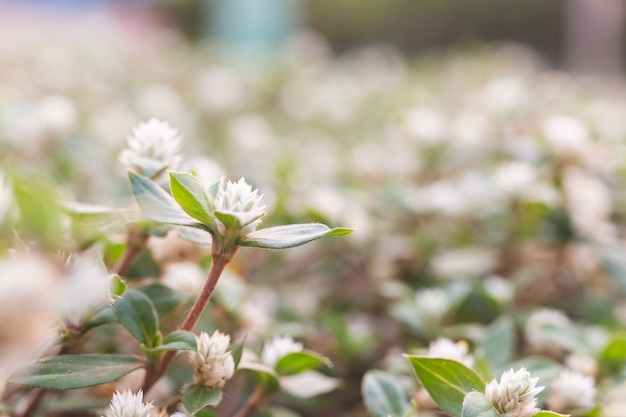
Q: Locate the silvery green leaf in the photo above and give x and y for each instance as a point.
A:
(308, 384)
(156, 204)
(282, 237)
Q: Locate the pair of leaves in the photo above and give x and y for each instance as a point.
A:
(191, 205)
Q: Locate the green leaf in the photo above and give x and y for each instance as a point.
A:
(156, 204)
(238, 219)
(138, 315)
(77, 371)
(191, 196)
(265, 376)
(499, 342)
(545, 413)
(179, 340)
(196, 397)
(308, 384)
(117, 286)
(615, 350)
(104, 315)
(164, 298)
(475, 404)
(296, 362)
(447, 381)
(237, 352)
(282, 237)
(383, 395)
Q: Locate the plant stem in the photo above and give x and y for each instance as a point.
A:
(135, 243)
(34, 403)
(221, 258)
(254, 401)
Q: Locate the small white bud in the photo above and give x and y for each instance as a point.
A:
(213, 364)
(239, 198)
(447, 349)
(572, 392)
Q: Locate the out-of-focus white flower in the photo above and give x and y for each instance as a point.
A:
(56, 114)
(434, 303)
(463, 263)
(6, 198)
(614, 402)
(220, 90)
(85, 286)
(426, 125)
(251, 133)
(571, 392)
(173, 248)
(127, 404)
(582, 363)
(447, 349)
(514, 395)
(513, 178)
(279, 347)
(186, 277)
(152, 147)
(538, 321)
(238, 198)
(499, 289)
(505, 94)
(566, 136)
(213, 363)
(589, 205)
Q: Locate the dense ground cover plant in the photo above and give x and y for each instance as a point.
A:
(487, 194)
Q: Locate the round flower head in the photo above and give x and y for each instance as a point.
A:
(447, 349)
(514, 395)
(127, 404)
(572, 392)
(152, 147)
(240, 200)
(213, 364)
(277, 348)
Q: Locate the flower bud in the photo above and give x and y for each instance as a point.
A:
(514, 395)
(127, 404)
(213, 364)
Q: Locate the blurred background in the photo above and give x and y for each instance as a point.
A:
(478, 147)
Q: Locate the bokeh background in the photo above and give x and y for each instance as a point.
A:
(478, 147)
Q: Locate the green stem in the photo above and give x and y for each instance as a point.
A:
(221, 257)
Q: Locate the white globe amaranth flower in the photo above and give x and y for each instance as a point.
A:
(240, 200)
(152, 147)
(127, 404)
(514, 395)
(434, 303)
(213, 363)
(278, 347)
(447, 349)
(572, 392)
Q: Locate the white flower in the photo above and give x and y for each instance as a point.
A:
(513, 178)
(514, 395)
(152, 147)
(538, 321)
(582, 363)
(213, 364)
(279, 347)
(127, 404)
(239, 199)
(433, 302)
(499, 289)
(186, 277)
(425, 124)
(447, 349)
(572, 392)
(6, 198)
(566, 136)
